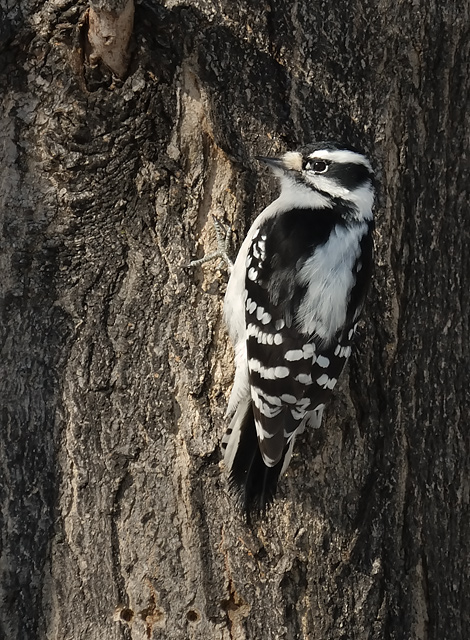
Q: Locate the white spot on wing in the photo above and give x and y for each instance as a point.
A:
(259, 249)
(323, 381)
(251, 330)
(264, 408)
(294, 354)
(262, 337)
(250, 306)
(268, 373)
(287, 397)
(309, 350)
(297, 414)
(274, 400)
(262, 315)
(262, 246)
(323, 362)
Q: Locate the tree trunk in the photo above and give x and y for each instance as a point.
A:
(116, 367)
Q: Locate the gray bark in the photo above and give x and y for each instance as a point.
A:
(116, 368)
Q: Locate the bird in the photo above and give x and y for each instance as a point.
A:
(292, 304)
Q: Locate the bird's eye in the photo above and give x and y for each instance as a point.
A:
(319, 166)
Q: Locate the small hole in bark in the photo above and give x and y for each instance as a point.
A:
(126, 615)
(261, 554)
(193, 615)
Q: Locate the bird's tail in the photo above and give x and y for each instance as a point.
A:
(253, 482)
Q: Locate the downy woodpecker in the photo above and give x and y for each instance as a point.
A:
(292, 304)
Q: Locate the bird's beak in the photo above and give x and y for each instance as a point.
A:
(275, 163)
(290, 161)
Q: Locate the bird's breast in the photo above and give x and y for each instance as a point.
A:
(327, 277)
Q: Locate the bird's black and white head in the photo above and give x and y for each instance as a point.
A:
(323, 174)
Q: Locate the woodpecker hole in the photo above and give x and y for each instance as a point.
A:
(126, 615)
(193, 616)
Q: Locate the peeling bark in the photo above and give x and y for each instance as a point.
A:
(110, 27)
(116, 367)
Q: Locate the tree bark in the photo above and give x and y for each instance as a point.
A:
(116, 367)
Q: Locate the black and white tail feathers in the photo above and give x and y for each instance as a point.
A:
(251, 480)
(253, 483)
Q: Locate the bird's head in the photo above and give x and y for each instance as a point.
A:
(326, 173)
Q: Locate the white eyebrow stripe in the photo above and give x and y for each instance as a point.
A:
(342, 156)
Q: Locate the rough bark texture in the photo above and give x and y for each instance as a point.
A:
(115, 521)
